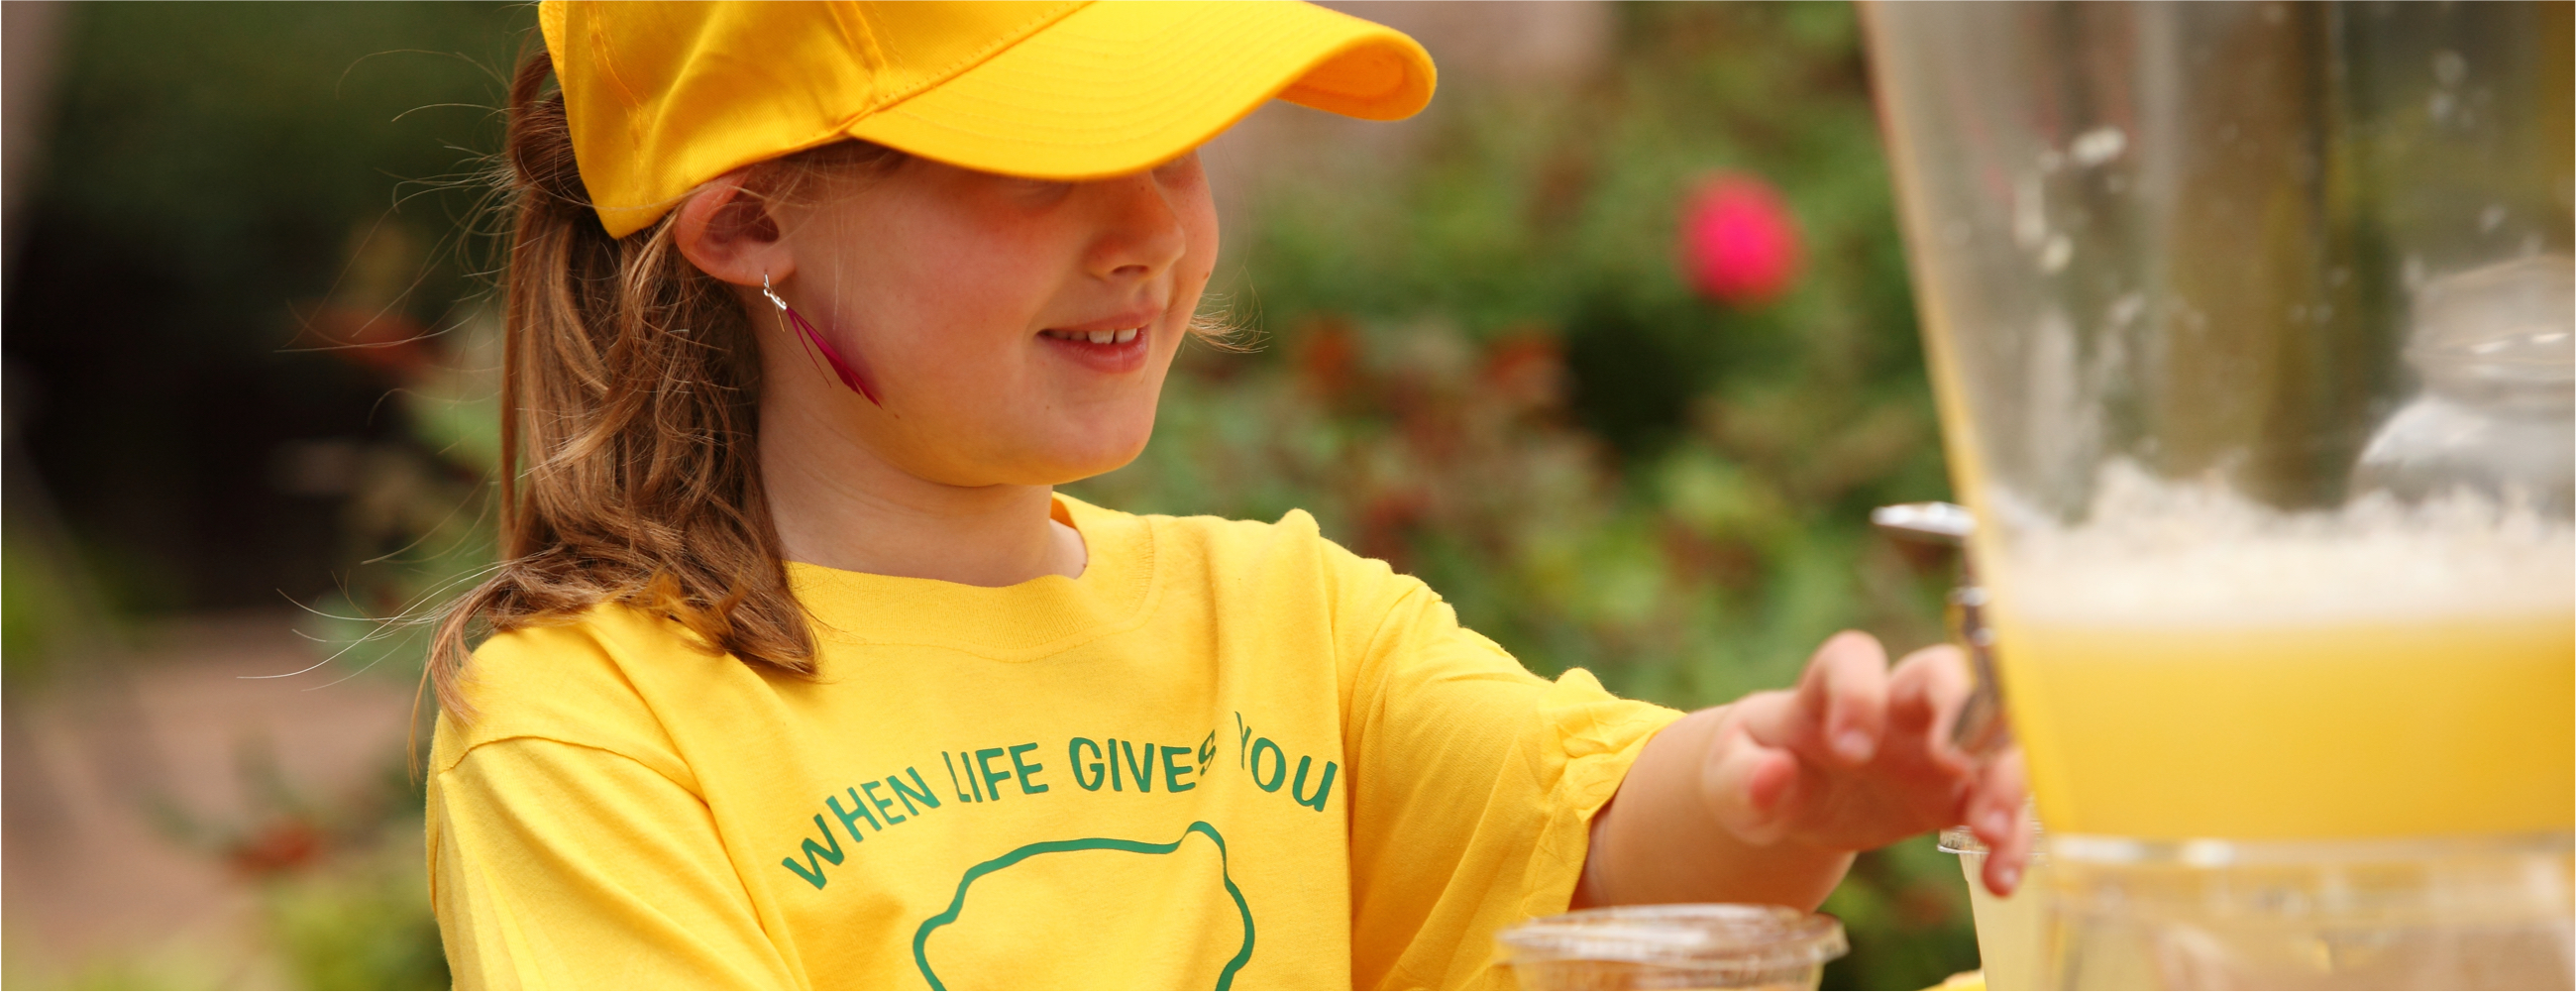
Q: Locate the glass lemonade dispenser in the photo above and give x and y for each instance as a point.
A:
(2251, 329)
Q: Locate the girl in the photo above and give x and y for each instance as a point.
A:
(802, 676)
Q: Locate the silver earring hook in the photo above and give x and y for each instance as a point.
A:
(773, 296)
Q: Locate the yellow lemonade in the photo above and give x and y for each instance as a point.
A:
(2318, 727)
(2185, 663)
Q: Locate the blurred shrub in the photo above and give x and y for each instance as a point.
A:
(307, 120)
(218, 206)
(344, 893)
(363, 926)
(343, 896)
(221, 206)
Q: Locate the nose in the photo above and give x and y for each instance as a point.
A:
(1141, 236)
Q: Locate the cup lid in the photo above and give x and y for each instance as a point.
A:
(1962, 840)
(1690, 935)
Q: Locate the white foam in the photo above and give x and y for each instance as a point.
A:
(2161, 553)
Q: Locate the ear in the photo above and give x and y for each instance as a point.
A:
(727, 231)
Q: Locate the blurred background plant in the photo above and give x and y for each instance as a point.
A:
(238, 392)
(1616, 358)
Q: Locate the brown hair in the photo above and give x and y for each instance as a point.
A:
(629, 400)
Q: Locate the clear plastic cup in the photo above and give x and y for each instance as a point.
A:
(1686, 946)
(2393, 914)
(2012, 932)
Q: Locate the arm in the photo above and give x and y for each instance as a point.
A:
(1767, 799)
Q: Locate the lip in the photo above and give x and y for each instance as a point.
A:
(1136, 317)
(1112, 357)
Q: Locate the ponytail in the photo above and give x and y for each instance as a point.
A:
(629, 387)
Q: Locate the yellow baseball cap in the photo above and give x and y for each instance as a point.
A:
(663, 96)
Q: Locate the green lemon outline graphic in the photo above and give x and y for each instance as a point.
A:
(1224, 979)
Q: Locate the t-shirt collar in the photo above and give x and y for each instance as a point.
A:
(1021, 622)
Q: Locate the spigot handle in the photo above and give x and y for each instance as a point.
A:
(1982, 728)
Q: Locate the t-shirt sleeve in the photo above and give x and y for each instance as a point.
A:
(1474, 783)
(561, 866)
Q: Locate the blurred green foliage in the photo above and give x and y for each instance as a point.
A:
(362, 926)
(43, 614)
(189, 261)
(233, 196)
(243, 141)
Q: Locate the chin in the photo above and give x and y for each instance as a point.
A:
(1095, 453)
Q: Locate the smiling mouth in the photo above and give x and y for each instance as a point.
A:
(1120, 336)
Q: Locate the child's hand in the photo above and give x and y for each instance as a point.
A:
(1857, 757)
(1765, 800)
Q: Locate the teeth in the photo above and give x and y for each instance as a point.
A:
(1120, 336)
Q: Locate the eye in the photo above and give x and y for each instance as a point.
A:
(1038, 190)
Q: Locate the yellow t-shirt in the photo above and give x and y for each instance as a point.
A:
(1231, 754)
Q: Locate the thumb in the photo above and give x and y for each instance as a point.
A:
(1748, 787)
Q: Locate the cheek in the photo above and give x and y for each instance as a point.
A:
(941, 316)
(946, 326)
(1199, 221)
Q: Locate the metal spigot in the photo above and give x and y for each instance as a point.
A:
(1982, 727)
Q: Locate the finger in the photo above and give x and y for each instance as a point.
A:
(1750, 787)
(2002, 789)
(1995, 814)
(2008, 862)
(1924, 695)
(1844, 695)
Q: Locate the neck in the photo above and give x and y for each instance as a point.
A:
(837, 503)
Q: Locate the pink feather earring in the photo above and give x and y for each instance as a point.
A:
(847, 371)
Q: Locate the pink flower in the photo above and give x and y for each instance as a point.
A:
(1739, 241)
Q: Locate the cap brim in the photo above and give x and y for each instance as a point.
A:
(1113, 88)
